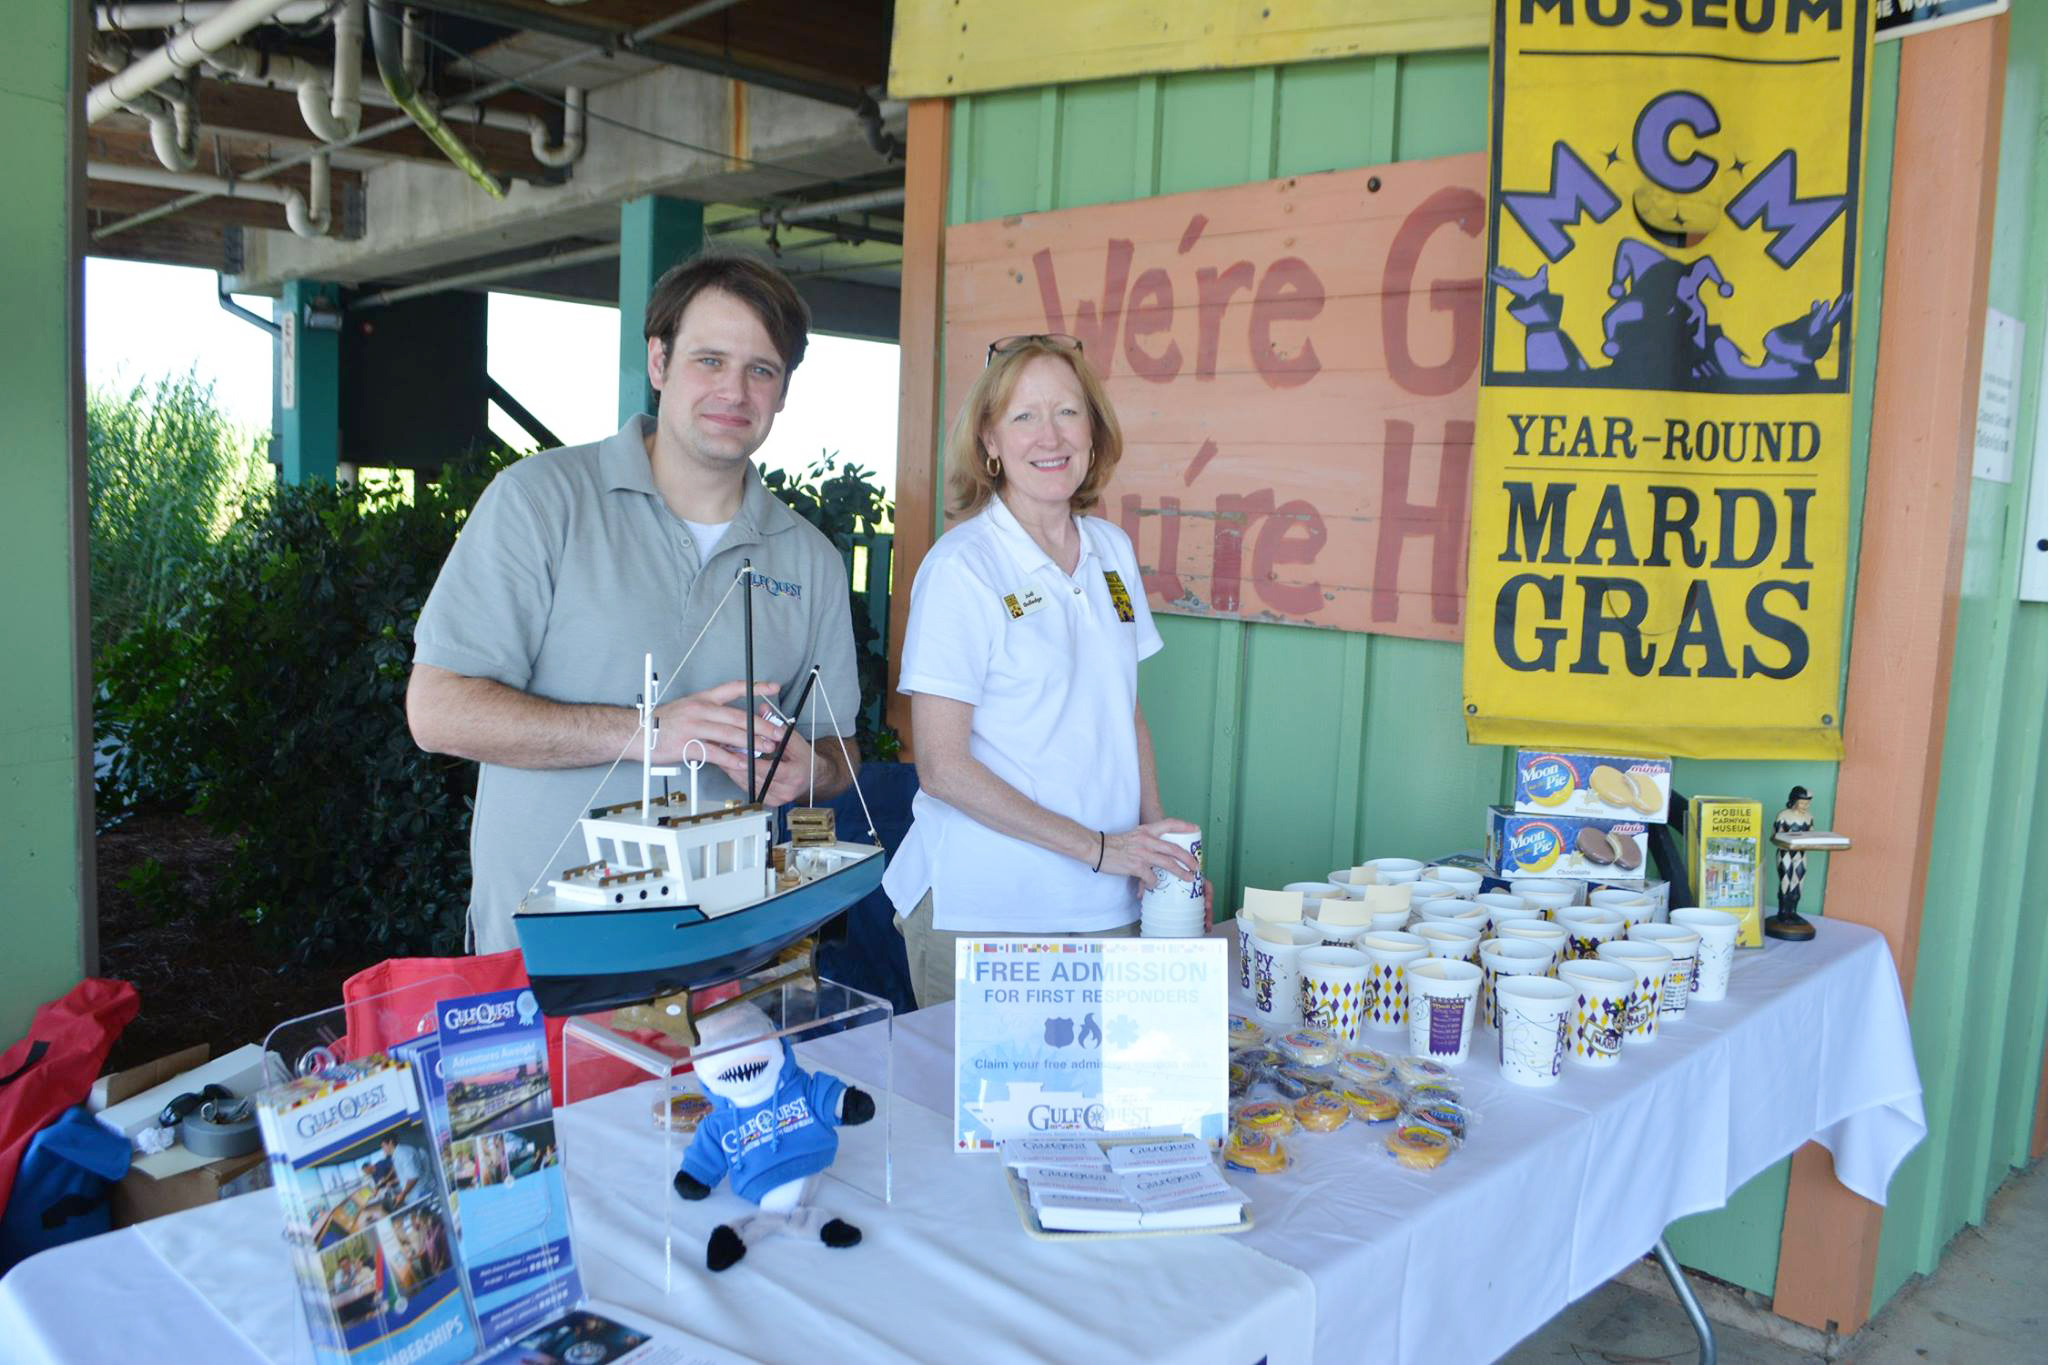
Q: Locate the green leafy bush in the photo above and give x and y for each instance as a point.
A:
(848, 506)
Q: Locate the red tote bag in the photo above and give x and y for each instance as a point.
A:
(54, 1067)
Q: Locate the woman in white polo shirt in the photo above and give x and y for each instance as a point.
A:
(1038, 804)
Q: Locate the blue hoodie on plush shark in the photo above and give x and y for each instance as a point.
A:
(770, 1129)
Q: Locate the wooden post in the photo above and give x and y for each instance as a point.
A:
(1902, 641)
(920, 425)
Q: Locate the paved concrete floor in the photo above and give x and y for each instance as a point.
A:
(1986, 1304)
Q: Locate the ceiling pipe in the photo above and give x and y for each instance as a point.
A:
(535, 265)
(387, 40)
(332, 107)
(307, 220)
(827, 208)
(171, 109)
(180, 53)
(116, 18)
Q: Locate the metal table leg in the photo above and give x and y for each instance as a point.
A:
(1703, 1329)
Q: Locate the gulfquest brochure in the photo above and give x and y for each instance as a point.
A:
(504, 1162)
(365, 1215)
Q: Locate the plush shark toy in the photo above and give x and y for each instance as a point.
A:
(770, 1129)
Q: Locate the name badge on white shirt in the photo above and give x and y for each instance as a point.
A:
(1022, 604)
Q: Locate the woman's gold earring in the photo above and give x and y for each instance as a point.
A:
(994, 467)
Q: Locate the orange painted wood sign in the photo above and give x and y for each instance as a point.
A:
(1294, 365)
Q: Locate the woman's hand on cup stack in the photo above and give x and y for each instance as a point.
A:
(1136, 852)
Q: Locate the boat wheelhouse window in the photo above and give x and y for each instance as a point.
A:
(607, 851)
(697, 860)
(726, 851)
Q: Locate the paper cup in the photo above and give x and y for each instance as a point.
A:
(1651, 962)
(1453, 908)
(1499, 957)
(1276, 974)
(1449, 938)
(1168, 895)
(1335, 935)
(1551, 936)
(1244, 952)
(1717, 930)
(1573, 891)
(1387, 957)
(1394, 869)
(1465, 879)
(1633, 908)
(1546, 896)
(1443, 1004)
(1684, 946)
(1333, 990)
(1587, 929)
(1502, 906)
(1428, 889)
(1312, 894)
(1602, 992)
(1534, 1016)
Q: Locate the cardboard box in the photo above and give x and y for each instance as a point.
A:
(166, 1182)
(1724, 852)
(1521, 845)
(1560, 782)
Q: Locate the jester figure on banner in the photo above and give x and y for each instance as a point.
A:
(1661, 456)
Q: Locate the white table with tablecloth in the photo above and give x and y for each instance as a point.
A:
(1351, 1257)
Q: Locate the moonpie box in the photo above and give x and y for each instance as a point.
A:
(1724, 859)
(1571, 846)
(1603, 786)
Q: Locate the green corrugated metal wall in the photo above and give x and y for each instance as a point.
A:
(1980, 994)
(1299, 750)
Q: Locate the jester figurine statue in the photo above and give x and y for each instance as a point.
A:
(1796, 818)
(770, 1129)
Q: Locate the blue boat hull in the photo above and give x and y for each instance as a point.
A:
(586, 960)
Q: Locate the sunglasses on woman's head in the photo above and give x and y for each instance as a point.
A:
(1001, 345)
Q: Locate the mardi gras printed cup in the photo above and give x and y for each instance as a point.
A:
(1587, 928)
(1534, 1015)
(1244, 924)
(1335, 935)
(1276, 971)
(1395, 869)
(1502, 906)
(1551, 936)
(1452, 908)
(1633, 907)
(1499, 957)
(1313, 893)
(1602, 992)
(1651, 962)
(1465, 879)
(1546, 894)
(1387, 956)
(1442, 1007)
(1449, 938)
(1333, 990)
(1684, 946)
(1717, 930)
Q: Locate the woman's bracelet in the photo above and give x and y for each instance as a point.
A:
(1101, 847)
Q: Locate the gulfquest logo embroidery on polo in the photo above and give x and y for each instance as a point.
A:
(764, 1124)
(1119, 597)
(777, 587)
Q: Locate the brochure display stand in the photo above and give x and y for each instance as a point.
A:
(412, 1145)
(647, 1051)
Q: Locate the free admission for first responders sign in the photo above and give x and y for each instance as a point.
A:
(1660, 496)
(1076, 1035)
(1293, 364)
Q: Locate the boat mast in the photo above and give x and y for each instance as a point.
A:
(647, 726)
(747, 615)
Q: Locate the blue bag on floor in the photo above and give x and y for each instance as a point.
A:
(60, 1191)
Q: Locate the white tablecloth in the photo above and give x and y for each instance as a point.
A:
(1554, 1193)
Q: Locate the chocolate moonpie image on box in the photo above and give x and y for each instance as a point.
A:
(1571, 846)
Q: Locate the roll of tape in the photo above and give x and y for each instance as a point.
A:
(204, 1137)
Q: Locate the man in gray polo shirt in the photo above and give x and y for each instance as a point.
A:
(577, 562)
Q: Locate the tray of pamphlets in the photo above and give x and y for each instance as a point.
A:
(1097, 1189)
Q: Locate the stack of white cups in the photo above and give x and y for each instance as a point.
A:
(1173, 907)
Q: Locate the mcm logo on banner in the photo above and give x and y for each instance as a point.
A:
(1662, 450)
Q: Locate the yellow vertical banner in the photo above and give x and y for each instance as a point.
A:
(1661, 462)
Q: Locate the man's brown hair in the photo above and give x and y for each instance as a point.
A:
(758, 285)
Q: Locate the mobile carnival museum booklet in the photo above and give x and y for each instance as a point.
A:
(366, 1216)
(504, 1162)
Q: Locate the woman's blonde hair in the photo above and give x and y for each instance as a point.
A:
(969, 485)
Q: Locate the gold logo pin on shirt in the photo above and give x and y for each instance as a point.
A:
(1118, 596)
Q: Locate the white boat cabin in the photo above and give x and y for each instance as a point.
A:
(656, 856)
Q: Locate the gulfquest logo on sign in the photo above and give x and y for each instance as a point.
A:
(1662, 450)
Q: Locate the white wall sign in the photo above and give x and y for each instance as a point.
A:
(1998, 394)
(288, 359)
(2034, 550)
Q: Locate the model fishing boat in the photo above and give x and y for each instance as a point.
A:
(673, 894)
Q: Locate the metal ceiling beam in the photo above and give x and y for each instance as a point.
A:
(641, 43)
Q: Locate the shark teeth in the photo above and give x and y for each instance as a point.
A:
(742, 1073)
